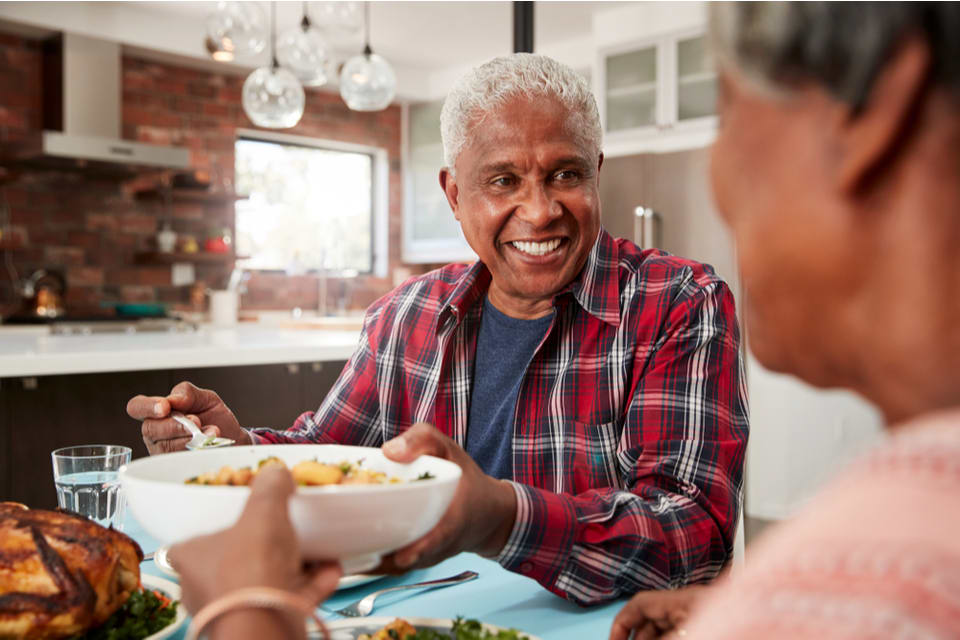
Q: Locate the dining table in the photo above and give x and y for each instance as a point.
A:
(498, 597)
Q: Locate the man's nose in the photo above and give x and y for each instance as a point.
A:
(537, 207)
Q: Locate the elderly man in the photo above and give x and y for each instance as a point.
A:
(591, 391)
(837, 166)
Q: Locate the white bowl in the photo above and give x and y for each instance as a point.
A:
(355, 524)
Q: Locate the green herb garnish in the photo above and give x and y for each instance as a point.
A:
(142, 615)
(426, 475)
(468, 630)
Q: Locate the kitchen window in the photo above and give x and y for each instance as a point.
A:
(311, 205)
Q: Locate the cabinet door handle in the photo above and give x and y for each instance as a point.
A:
(30, 384)
(293, 368)
(317, 367)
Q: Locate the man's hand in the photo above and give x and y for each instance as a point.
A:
(657, 614)
(260, 550)
(163, 434)
(479, 518)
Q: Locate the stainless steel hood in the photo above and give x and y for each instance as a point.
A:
(82, 114)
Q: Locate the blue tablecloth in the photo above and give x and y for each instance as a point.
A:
(498, 597)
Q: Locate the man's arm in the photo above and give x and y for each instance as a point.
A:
(680, 458)
(348, 415)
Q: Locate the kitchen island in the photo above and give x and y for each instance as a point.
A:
(62, 390)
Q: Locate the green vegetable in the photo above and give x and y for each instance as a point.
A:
(345, 467)
(426, 475)
(468, 630)
(142, 615)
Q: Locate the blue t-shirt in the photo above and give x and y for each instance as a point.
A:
(505, 347)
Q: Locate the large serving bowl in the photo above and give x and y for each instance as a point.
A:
(355, 524)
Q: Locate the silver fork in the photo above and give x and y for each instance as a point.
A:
(364, 606)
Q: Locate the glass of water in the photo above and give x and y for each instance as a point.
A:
(87, 482)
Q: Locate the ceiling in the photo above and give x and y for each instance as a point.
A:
(436, 35)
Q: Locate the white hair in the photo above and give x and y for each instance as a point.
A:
(496, 82)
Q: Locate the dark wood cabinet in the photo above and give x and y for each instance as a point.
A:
(50, 412)
(38, 415)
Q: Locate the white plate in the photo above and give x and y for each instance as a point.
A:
(172, 591)
(350, 628)
(162, 561)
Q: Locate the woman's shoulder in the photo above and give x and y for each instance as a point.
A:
(877, 548)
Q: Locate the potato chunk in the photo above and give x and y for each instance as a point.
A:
(312, 473)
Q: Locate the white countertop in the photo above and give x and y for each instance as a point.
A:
(32, 351)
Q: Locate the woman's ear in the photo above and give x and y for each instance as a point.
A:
(870, 136)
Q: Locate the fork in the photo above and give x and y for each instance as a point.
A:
(364, 606)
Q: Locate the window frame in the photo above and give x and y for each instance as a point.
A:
(379, 188)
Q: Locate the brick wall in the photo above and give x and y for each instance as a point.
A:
(91, 228)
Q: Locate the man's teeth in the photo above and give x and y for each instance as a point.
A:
(537, 248)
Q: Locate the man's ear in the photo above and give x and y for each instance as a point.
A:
(449, 185)
(871, 137)
(600, 162)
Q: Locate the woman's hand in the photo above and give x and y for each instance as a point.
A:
(260, 550)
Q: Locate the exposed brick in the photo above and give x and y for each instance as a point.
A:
(137, 223)
(84, 276)
(154, 276)
(64, 255)
(102, 221)
(216, 109)
(13, 238)
(137, 294)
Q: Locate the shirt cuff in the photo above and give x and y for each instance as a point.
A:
(255, 439)
(543, 535)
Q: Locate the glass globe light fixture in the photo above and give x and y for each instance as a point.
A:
(272, 96)
(367, 81)
(304, 51)
(238, 28)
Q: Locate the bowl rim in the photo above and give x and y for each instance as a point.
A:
(125, 475)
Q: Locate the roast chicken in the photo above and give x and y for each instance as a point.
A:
(61, 574)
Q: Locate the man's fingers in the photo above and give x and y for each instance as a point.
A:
(420, 439)
(143, 407)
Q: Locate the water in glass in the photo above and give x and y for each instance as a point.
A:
(87, 481)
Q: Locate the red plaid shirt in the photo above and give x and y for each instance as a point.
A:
(631, 422)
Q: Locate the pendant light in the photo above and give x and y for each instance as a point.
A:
(272, 95)
(304, 51)
(236, 29)
(367, 81)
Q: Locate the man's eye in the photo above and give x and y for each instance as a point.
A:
(566, 175)
(502, 181)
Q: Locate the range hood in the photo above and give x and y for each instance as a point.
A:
(82, 114)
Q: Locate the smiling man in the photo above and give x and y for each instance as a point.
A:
(591, 392)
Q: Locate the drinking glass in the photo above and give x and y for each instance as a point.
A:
(87, 482)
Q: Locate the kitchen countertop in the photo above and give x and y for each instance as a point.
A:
(33, 351)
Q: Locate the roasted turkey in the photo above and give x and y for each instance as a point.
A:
(61, 574)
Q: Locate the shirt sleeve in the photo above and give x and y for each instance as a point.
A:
(680, 463)
(350, 414)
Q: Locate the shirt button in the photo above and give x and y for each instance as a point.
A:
(526, 567)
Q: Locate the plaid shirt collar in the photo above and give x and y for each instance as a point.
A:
(596, 288)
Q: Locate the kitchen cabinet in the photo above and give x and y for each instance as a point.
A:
(49, 412)
(40, 414)
(657, 94)
(430, 232)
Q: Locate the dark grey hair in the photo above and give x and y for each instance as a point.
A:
(841, 45)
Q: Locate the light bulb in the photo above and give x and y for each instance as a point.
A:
(367, 82)
(238, 28)
(273, 98)
(304, 51)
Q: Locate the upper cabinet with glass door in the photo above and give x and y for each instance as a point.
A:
(657, 95)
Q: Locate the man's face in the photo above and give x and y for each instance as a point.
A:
(800, 251)
(526, 195)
